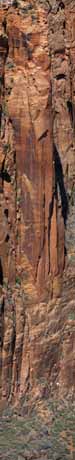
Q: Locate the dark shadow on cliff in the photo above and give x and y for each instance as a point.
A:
(1, 274)
(51, 206)
(59, 181)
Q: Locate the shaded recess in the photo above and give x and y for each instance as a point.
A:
(70, 109)
(59, 180)
(1, 274)
(61, 76)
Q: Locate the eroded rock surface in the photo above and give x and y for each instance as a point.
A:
(37, 174)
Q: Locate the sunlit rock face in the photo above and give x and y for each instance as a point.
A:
(37, 173)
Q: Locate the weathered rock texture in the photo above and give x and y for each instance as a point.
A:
(37, 170)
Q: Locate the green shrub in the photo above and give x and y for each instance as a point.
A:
(18, 280)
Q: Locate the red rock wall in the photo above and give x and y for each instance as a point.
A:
(37, 147)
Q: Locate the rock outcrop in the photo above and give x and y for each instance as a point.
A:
(37, 180)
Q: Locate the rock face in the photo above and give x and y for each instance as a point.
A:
(37, 171)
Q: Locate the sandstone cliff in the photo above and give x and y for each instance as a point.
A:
(37, 180)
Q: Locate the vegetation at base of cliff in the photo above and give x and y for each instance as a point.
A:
(45, 433)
